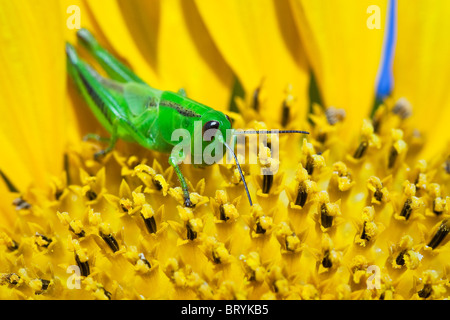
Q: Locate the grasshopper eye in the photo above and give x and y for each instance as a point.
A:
(213, 124)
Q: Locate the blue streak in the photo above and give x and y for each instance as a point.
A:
(385, 77)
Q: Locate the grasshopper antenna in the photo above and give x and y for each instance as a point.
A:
(239, 168)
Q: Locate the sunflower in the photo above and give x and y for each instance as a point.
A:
(359, 209)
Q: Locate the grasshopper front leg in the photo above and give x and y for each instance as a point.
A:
(174, 159)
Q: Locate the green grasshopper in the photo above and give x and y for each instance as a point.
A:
(133, 111)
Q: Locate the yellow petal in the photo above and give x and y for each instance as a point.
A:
(127, 33)
(259, 41)
(32, 73)
(422, 68)
(344, 53)
(188, 58)
(167, 44)
(79, 116)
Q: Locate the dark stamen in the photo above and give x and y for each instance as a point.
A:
(434, 208)
(400, 260)
(80, 234)
(326, 261)
(107, 293)
(84, 266)
(267, 183)
(157, 184)
(191, 234)
(45, 284)
(111, 241)
(364, 235)
(376, 125)
(275, 288)
(406, 211)
(321, 137)
(302, 195)
(287, 244)
(91, 195)
(362, 148)
(13, 247)
(12, 278)
(58, 194)
(447, 165)
(285, 114)
(309, 165)
(150, 223)
(216, 258)
(46, 240)
(378, 195)
(143, 259)
(66, 169)
(223, 216)
(440, 235)
(416, 181)
(259, 229)
(325, 219)
(393, 154)
(426, 291)
(124, 208)
(255, 104)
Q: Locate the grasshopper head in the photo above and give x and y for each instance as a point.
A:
(213, 123)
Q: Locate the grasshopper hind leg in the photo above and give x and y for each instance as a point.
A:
(126, 126)
(112, 140)
(113, 67)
